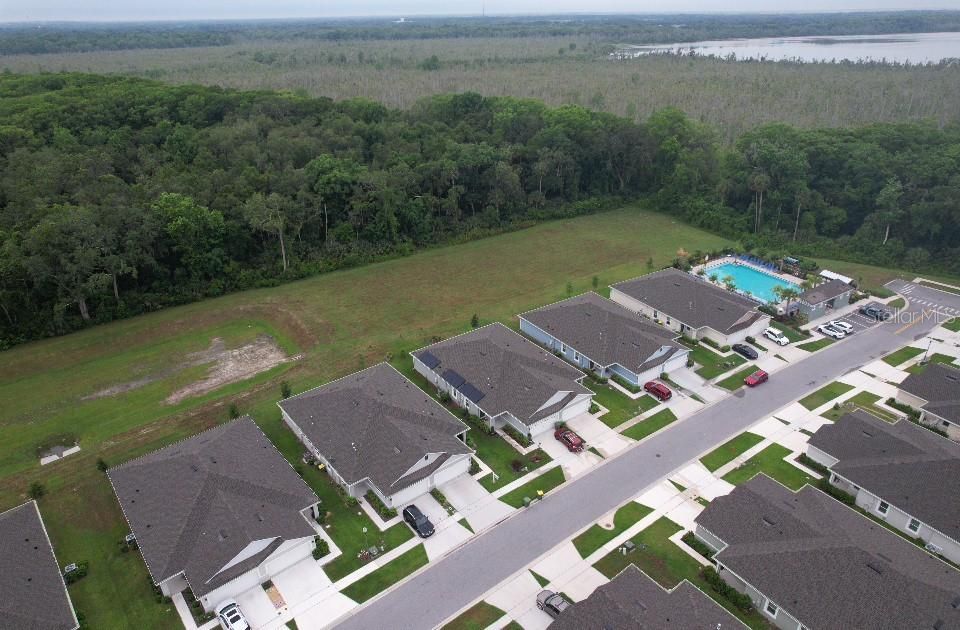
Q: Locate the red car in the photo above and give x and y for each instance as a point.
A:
(756, 378)
(658, 390)
(570, 439)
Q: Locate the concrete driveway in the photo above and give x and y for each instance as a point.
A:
(518, 598)
(474, 503)
(573, 464)
(257, 607)
(598, 435)
(448, 533)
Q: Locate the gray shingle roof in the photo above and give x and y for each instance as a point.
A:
(195, 505)
(692, 300)
(606, 332)
(376, 424)
(939, 385)
(632, 600)
(825, 291)
(32, 593)
(514, 374)
(904, 464)
(826, 564)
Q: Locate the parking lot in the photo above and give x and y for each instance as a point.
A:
(858, 321)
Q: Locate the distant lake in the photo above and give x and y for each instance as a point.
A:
(903, 47)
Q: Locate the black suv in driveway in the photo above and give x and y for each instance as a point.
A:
(875, 311)
(745, 350)
(418, 521)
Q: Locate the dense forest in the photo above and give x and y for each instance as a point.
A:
(638, 29)
(121, 195)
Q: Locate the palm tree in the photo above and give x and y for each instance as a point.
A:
(730, 283)
(786, 294)
(714, 277)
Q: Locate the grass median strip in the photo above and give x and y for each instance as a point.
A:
(770, 461)
(545, 482)
(477, 617)
(730, 450)
(735, 381)
(825, 394)
(902, 355)
(596, 537)
(387, 575)
(813, 346)
(651, 425)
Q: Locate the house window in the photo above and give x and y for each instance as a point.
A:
(772, 609)
(563, 347)
(913, 525)
(576, 355)
(656, 314)
(884, 507)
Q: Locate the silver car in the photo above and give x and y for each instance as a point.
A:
(839, 325)
(552, 603)
(830, 331)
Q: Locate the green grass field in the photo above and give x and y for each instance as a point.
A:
(545, 483)
(649, 426)
(338, 322)
(387, 575)
(770, 461)
(936, 357)
(712, 364)
(729, 450)
(621, 407)
(735, 380)
(825, 394)
(953, 325)
(818, 344)
(477, 617)
(902, 355)
(596, 537)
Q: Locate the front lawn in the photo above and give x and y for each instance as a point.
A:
(712, 364)
(730, 450)
(621, 407)
(770, 461)
(668, 565)
(476, 617)
(813, 346)
(902, 355)
(953, 325)
(545, 482)
(825, 394)
(866, 401)
(791, 333)
(596, 537)
(651, 425)
(387, 575)
(735, 381)
(933, 358)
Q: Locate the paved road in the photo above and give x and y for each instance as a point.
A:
(945, 304)
(435, 594)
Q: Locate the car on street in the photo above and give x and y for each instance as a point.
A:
(552, 603)
(875, 311)
(745, 350)
(776, 336)
(230, 617)
(658, 390)
(418, 521)
(830, 331)
(846, 327)
(756, 378)
(570, 439)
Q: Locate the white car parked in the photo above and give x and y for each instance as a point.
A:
(830, 331)
(230, 617)
(776, 336)
(846, 327)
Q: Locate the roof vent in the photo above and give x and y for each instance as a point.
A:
(223, 535)
(873, 567)
(396, 450)
(956, 602)
(768, 522)
(884, 557)
(194, 468)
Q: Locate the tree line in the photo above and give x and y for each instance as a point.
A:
(121, 195)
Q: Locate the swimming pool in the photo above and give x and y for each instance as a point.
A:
(749, 280)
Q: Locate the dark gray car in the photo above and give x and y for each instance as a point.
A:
(418, 521)
(745, 350)
(552, 603)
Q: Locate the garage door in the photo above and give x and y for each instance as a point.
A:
(400, 499)
(675, 363)
(575, 409)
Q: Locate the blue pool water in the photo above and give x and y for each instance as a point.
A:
(758, 284)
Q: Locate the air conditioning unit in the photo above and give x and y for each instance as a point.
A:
(932, 548)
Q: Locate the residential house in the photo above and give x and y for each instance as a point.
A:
(376, 431)
(606, 338)
(810, 562)
(218, 513)
(901, 473)
(692, 306)
(633, 600)
(32, 591)
(505, 379)
(935, 391)
(820, 300)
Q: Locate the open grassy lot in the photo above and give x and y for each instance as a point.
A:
(651, 425)
(545, 482)
(712, 364)
(729, 450)
(818, 344)
(735, 380)
(621, 407)
(825, 394)
(666, 563)
(476, 617)
(770, 461)
(873, 278)
(387, 575)
(902, 355)
(596, 537)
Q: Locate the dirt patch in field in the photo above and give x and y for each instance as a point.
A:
(231, 365)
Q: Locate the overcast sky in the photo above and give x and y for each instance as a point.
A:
(109, 10)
